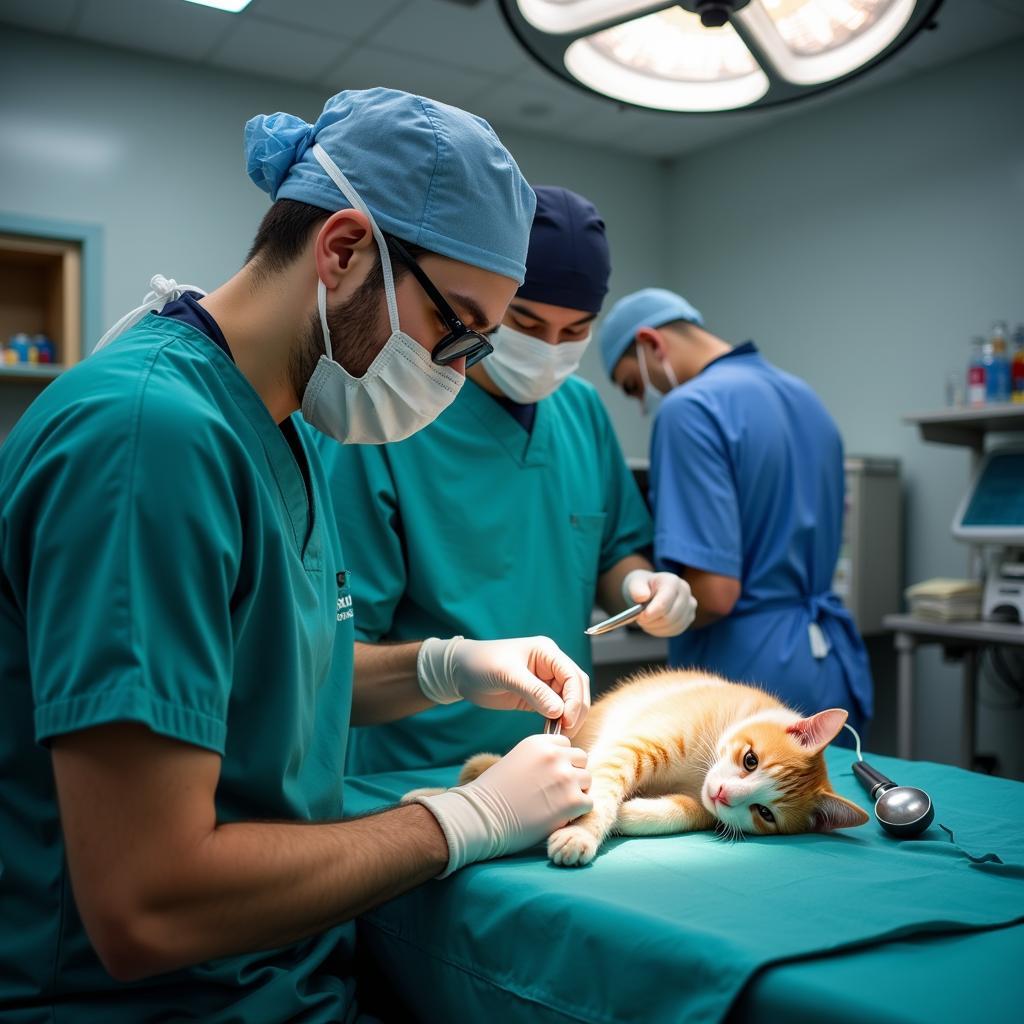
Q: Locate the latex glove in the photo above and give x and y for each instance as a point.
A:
(671, 608)
(540, 785)
(525, 674)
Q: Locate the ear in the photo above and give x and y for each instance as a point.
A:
(344, 233)
(833, 812)
(653, 340)
(818, 731)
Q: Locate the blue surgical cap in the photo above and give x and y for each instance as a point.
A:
(430, 174)
(568, 262)
(650, 307)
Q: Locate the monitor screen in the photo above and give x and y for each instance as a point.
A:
(998, 497)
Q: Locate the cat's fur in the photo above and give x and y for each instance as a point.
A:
(666, 747)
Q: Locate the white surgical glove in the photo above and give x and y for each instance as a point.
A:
(671, 608)
(540, 785)
(525, 674)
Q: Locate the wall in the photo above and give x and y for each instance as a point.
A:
(151, 150)
(862, 245)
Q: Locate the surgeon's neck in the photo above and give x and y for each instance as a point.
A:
(698, 349)
(262, 322)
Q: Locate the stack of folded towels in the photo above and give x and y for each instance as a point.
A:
(944, 600)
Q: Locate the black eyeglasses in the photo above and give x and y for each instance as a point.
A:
(460, 341)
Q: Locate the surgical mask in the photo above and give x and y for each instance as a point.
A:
(528, 369)
(651, 398)
(402, 390)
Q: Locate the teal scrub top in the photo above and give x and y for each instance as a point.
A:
(159, 565)
(475, 527)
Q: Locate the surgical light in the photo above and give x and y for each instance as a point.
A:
(710, 55)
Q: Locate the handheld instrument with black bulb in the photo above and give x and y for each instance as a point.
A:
(903, 811)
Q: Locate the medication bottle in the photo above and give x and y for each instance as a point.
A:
(976, 373)
(1017, 367)
(997, 375)
(19, 345)
(45, 350)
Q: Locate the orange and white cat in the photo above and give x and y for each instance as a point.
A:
(678, 751)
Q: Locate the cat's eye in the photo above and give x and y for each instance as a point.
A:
(764, 812)
(750, 760)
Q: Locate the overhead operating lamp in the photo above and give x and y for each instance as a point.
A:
(700, 56)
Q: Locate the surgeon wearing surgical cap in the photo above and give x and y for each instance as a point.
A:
(176, 606)
(747, 488)
(546, 522)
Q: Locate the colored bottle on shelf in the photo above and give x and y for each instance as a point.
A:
(19, 345)
(45, 351)
(997, 366)
(976, 373)
(1017, 367)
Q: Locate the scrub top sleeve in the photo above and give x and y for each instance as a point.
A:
(370, 526)
(136, 543)
(693, 493)
(627, 529)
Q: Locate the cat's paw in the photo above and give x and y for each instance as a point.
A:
(572, 847)
(476, 766)
(411, 796)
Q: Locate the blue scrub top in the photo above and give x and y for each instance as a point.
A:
(747, 481)
(475, 527)
(160, 563)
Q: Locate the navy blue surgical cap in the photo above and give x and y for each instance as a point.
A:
(567, 263)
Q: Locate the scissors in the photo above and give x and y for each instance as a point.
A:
(622, 619)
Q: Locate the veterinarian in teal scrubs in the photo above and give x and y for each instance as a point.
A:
(512, 513)
(175, 607)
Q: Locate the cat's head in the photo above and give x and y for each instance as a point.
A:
(769, 776)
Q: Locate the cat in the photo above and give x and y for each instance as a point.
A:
(685, 751)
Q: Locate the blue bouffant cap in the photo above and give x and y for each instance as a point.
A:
(430, 174)
(568, 262)
(650, 307)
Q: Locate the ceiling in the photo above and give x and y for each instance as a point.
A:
(457, 51)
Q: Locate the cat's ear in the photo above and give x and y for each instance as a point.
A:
(833, 811)
(818, 731)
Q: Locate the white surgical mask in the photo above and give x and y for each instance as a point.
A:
(651, 398)
(402, 391)
(528, 369)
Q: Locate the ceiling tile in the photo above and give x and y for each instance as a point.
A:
(53, 16)
(350, 19)
(270, 48)
(963, 28)
(455, 36)
(1014, 7)
(168, 27)
(525, 107)
(369, 66)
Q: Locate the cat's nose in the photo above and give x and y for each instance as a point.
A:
(720, 797)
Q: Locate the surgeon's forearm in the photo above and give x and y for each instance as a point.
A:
(609, 584)
(251, 886)
(716, 595)
(385, 687)
(160, 883)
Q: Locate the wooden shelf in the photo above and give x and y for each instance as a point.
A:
(31, 371)
(967, 426)
(41, 293)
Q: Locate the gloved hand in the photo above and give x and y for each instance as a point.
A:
(525, 674)
(672, 606)
(539, 786)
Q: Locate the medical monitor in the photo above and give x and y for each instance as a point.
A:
(992, 510)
